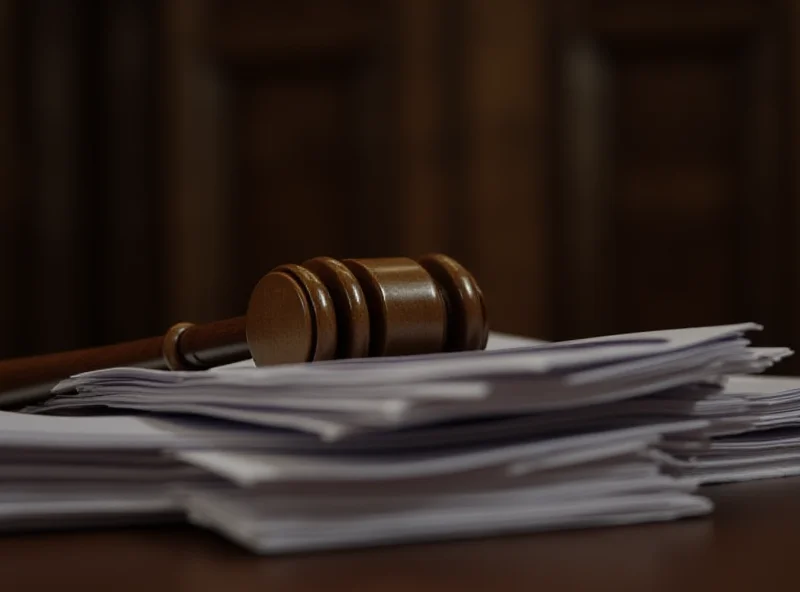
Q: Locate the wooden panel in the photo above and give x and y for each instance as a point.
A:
(674, 208)
(293, 149)
(675, 203)
(444, 150)
(297, 180)
(198, 261)
(58, 212)
(257, 32)
(427, 159)
(791, 280)
(507, 226)
(301, 170)
(130, 200)
(79, 223)
(11, 202)
(703, 20)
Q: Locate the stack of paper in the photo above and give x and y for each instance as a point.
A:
(378, 451)
(755, 424)
(308, 502)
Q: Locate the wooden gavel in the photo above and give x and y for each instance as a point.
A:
(324, 309)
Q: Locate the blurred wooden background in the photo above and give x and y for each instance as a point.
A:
(600, 166)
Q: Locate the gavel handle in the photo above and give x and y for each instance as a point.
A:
(24, 381)
(385, 306)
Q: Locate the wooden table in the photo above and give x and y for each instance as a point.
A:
(752, 542)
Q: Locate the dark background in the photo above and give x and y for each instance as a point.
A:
(600, 166)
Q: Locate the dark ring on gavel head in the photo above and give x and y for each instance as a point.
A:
(327, 309)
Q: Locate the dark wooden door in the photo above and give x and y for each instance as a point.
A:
(676, 197)
(358, 129)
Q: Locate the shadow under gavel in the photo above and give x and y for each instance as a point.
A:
(324, 309)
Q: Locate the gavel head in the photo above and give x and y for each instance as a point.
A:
(328, 309)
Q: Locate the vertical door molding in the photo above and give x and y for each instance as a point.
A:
(198, 241)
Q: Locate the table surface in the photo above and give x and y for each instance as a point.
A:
(749, 543)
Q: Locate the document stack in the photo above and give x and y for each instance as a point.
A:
(519, 438)
(755, 431)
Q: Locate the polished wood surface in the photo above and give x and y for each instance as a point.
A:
(748, 544)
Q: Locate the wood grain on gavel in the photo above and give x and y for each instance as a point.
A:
(324, 309)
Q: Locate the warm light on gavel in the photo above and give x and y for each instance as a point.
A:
(324, 309)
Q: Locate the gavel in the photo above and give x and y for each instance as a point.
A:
(323, 309)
